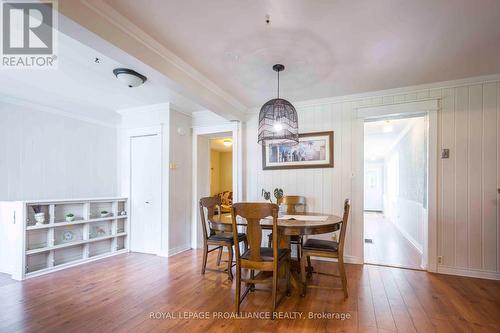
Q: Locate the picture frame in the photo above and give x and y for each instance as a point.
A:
(314, 150)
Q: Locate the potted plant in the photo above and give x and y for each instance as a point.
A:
(70, 217)
(39, 214)
(278, 194)
(104, 213)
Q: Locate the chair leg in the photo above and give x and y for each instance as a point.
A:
(309, 267)
(275, 290)
(287, 276)
(230, 262)
(343, 276)
(205, 254)
(298, 252)
(252, 276)
(270, 240)
(219, 256)
(303, 274)
(245, 245)
(238, 288)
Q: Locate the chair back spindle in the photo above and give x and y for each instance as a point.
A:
(343, 227)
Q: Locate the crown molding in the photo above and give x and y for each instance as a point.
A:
(393, 92)
(50, 109)
(121, 31)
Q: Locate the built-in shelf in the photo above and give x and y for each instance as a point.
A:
(69, 244)
(61, 224)
(53, 245)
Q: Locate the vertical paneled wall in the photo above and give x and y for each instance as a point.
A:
(469, 125)
(49, 156)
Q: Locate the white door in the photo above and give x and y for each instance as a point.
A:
(373, 187)
(145, 194)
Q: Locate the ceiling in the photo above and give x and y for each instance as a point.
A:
(218, 145)
(329, 48)
(377, 142)
(85, 88)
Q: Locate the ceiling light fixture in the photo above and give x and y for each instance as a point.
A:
(387, 127)
(130, 77)
(278, 119)
(227, 142)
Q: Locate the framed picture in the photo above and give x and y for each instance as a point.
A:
(314, 150)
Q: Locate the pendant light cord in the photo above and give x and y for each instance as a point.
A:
(278, 84)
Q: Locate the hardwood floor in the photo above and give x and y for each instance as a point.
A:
(389, 246)
(119, 293)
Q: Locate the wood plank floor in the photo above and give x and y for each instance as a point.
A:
(118, 294)
(389, 246)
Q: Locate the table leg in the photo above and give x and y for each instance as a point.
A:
(295, 278)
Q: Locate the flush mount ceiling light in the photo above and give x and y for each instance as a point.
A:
(278, 119)
(129, 77)
(227, 142)
(387, 127)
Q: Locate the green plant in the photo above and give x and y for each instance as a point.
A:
(278, 194)
(70, 215)
(104, 212)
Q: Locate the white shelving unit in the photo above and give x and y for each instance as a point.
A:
(29, 248)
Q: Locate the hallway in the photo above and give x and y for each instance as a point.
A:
(389, 246)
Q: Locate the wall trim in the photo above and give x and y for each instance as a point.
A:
(178, 249)
(474, 273)
(410, 239)
(53, 110)
(347, 259)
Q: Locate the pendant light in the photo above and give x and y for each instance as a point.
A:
(278, 120)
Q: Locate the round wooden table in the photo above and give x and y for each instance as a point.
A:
(296, 227)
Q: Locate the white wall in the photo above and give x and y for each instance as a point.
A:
(44, 155)
(469, 125)
(180, 183)
(405, 206)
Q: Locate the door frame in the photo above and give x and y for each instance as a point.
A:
(429, 108)
(235, 128)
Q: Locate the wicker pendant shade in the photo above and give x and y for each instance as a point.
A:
(278, 120)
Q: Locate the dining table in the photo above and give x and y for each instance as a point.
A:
(298, 224)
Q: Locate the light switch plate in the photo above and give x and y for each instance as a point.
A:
(445, 153)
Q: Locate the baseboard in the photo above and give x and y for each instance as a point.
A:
(178, 249)
(347, 259)
(475, 273)
(410, 239)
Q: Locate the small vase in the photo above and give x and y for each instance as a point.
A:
(40, 218)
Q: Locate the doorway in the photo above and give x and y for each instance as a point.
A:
(221, 171)
(395, 190)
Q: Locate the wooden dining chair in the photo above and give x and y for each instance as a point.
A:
(218, 234)
(326, 249)
(293, 204)
(262, 259)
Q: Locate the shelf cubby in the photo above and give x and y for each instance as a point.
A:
(97, 207)
(36, 262)
(36, 239)
(68, 234)
(61, 210)
(99, 247)
(67, 255)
